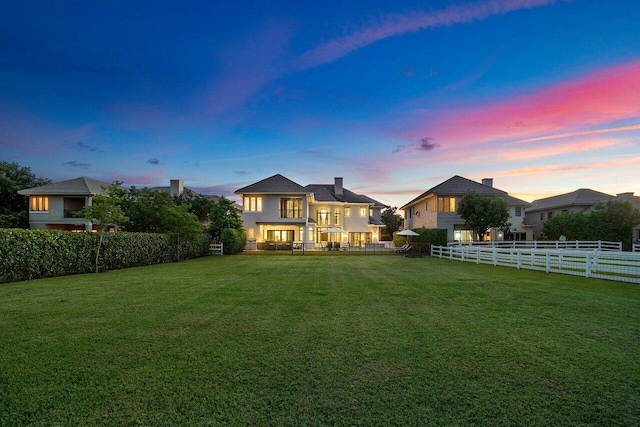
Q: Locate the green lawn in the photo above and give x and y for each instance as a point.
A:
(319, 340)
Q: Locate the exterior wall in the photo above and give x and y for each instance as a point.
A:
(422, 215)
(540, 216)
(54, 218)
(257, 224)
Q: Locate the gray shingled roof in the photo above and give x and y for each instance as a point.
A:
(74, 187)
(459, 186)
(326, 193)
(581, 197)
(274, 184)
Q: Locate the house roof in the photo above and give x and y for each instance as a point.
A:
(326, 193)
(273, 184)
(581, 197)
(74, 187)
(459, 186)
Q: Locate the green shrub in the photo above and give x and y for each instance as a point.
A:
(233, 240)
(427, 237)
(32, 254)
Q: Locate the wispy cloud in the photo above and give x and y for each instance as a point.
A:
(397, 24)
(249, 65)
(84, 148)
(153, 161)
(566, 108)
(76, 164)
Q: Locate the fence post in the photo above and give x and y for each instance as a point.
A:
(548, 261)
(495, 257)
(519, 258)
(587, 267)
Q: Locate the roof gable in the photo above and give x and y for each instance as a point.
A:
(458, 186)
(273, 184)
(326, 193)
(77, 187)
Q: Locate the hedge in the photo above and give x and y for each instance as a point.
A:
(427, 237)
(32, 254)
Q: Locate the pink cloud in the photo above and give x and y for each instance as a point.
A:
(598, 98)
(396, 24)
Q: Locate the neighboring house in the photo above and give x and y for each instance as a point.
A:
(53, 206)
(581, 201)
(277, 209)
(436, 208)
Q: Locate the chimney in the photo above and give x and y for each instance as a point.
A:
(176, 188)
(488, 182)
(337, 187)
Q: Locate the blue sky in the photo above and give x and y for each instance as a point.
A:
(541, 95)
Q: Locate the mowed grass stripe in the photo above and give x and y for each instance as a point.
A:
(310, 340)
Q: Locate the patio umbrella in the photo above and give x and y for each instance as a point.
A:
(407, 233)
(334, 230)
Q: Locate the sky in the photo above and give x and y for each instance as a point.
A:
(395, 96)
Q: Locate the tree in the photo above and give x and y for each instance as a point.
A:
(392, 221)
(199, 205)
(152, 211)
(480, 213)
(614, 221)
(14, 208)
(103, 213)
(571, 225)
(223, 215)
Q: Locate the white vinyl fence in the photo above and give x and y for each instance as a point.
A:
(620, 266)
(587, 245)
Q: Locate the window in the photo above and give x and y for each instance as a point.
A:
(541, 216)
(370, 211)
(323, 217)
(253, 204)
(336, 217)
(250, 233)
(39, 203)
(291, 208)
(363, 211)
(347, 211)
(280, 235)
(446, 204)
(518, 211)
(549, 215)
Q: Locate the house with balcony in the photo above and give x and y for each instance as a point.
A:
(279, 211)
(53, 206)
(436, 208)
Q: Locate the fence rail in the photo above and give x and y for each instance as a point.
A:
(619, 266)
(548, 244)
(636, 247)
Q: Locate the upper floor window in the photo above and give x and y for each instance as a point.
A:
(370, 211)
(363, 211)
(323, 217)
(347, 211)
(446, 204)
(518, 211)
(336, 217)
(549, 215)
(291, 208)
(39, 203)
(253, 204)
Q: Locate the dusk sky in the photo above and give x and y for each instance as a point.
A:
(395, 96)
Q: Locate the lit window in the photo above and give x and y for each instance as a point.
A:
(347, 211)
(280, 235)
(291, 208)
(253, 204)
(336, 217)
(251, 234)
(446, 204)
(363, 211)
(323, 217)
(370, 211)
(39, 203)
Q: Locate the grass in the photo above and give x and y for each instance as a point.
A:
(319, 340)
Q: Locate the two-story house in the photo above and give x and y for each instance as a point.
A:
(279, 210)
(53, 206)
(582, 201)
(436, 208)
